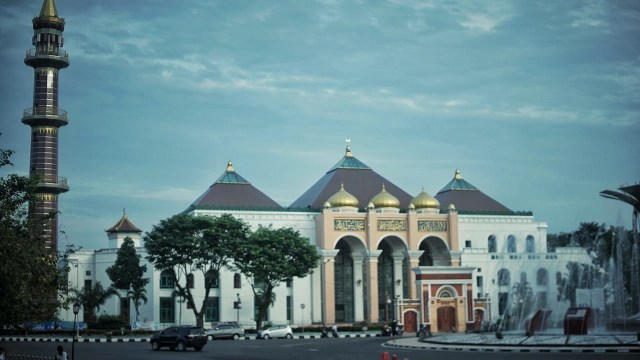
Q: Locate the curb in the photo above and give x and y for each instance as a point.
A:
(498, 348)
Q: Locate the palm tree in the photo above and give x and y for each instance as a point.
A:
(139, 296)
(91, 298)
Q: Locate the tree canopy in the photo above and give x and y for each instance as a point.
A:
(127, 273)
(184, 244)
(270, 257)
(29, 274)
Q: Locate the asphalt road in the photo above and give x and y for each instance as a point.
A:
(312, 349)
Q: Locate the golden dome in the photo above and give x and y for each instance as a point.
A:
(342, 199)
(385, 200)
(425, 201)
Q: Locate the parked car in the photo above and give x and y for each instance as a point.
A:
(227, 330)
(276, 331)
(179, 338)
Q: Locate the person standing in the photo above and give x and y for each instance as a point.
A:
(334, 330)
(61, 354)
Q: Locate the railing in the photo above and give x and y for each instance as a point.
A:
(47, 53)
(44, 111)
(60, 182)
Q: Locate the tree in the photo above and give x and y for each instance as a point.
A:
(91, 298)
(270, 257)
(127, 273)
(185, 245)
(29, 274)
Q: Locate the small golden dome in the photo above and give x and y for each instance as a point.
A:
(425, 201)
(452, 207)
(343, 199)
(385, 200)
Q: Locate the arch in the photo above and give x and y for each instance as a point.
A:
(478, 318)
(530, 244)
(237, 283)
(343, 280)
(436, 252)
(542, 277)
(511, 244)
(492, 244)
(447, 291)
(504, 277)
(386, 290)
(410, 320)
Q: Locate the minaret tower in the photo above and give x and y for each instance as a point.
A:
(44, 117)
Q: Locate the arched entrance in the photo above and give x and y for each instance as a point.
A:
(446, 318)
(436, 252)
(343, 283)
(410, 321)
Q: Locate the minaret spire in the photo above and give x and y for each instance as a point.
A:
(44, 116)
(49, 9)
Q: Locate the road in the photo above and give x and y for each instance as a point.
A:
(312, 349)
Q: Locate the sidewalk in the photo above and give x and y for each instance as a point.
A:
(521, 343)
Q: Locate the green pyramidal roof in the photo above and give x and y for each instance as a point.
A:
(231, 177)
(349, 162)
(458, 183)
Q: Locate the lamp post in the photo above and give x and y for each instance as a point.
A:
(76, 309)
(238, 306)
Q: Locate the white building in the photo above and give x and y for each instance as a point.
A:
(447, 261)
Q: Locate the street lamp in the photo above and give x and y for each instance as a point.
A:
(238, 306)
(76, 309)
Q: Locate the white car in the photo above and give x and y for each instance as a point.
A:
(276, 331)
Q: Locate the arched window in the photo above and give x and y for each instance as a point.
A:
(530, 244)
(511, 244)
(212, 279)
(504, 277)
(542, 277)
(190, 281)
(491, 244)
(236, 281)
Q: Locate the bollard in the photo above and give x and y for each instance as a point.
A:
(385, 355)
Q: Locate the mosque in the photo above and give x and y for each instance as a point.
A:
(447, 261)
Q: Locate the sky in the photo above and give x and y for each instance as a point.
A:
(536, 102)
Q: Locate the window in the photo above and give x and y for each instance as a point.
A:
(167, 310)
(504, 278)
(212, 279)
(479, 281)
(211, 309)
(289, 308)
(491, 244)
(88, 284)
(542, 277)
(166, 279)
(467, 243)
(502, 302)
(87, 273)
(289, 283)
(530, 244)
(190, 281)
(237, 281)
(511, 244)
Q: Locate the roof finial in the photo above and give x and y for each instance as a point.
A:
(348, 154)
(458, 176)
(230, 167)
(124, 212)
(49, 9)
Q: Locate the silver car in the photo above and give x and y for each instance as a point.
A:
(230, 330)
(276, 331)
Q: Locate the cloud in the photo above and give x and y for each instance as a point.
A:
(591, 14)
